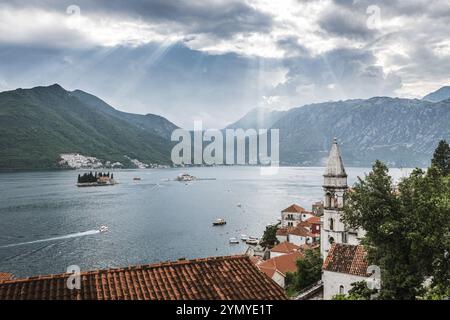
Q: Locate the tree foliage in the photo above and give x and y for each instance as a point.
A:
(309, 271)
(441, 157)
(407, 228)
(269, 238)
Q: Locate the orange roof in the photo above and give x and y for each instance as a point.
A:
(300, 231)
(347, 258)
(285, 247)
(283, 264)
(5, 276)
(214, 278)
(282, 231)
(294, 208)
(313, 220)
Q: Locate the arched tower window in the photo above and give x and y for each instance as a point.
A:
(341, 289)
(328, 200)
(331, 240)
(331, 222)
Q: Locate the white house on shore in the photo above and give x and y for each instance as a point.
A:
(293, 215)
(344, 258)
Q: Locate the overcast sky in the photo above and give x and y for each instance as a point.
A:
(216, 60)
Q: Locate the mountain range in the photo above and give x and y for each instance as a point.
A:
(39, 124)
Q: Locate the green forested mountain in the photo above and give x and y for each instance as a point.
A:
(38, 124)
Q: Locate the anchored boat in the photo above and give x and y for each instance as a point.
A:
(219, 222)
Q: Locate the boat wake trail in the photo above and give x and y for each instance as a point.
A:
(67, 236)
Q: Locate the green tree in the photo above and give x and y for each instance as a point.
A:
(441, 157)
(309, 271)
(407, 228)
(269, 238)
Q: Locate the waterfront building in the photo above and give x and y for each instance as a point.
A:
(293, 215)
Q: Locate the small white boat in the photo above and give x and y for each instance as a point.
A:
(244, 237)
(234, 241)
(219, 222)
(103, 229)
(239, 205)
(252, 241)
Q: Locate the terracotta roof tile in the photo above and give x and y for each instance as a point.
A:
(230, 277)
(282, 264)
(5, 276)
(285, 247)
(300, 231)
(294, 208)
(313, 220)
(282, 231)
(346, 258)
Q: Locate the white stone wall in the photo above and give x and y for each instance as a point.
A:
(275, 254)
(333, 280)
(278, 278)
(282, 238)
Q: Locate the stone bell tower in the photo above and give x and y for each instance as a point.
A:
(334, 186)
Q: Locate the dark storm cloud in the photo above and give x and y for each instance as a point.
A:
(222, 18)
(346, 23)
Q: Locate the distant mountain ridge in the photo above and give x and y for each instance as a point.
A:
(438, 95)
(39, 124)
(400, 132)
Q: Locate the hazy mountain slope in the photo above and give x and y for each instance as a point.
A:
(438, 95)
(401, 132)
(257, 119)
(36, 125)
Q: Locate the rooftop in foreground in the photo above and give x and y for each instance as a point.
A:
(214, 278)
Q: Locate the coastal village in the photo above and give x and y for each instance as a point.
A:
(260, 273)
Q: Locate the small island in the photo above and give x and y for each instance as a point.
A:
(96, 179)
(185, 177)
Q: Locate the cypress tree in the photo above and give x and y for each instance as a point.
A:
(441, 157)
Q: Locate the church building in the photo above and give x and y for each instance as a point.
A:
(344, 258)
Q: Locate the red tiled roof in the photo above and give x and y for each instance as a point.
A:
(301, 231)
(347, 258)
(217, 278)
(294, 208)
(285, 247)
(283, 264)
(5, 276)
(282, 231)
(313, 220)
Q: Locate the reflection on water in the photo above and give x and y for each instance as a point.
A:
(43, 215)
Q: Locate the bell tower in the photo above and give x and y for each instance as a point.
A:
(334, 186)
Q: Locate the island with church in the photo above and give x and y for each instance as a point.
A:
(95, 179)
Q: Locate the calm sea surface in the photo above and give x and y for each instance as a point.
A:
(47, 223)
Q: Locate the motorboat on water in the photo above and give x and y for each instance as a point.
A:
(234, 241)
(103, 229)
(244, 237)
(252, 241)
(137, 179)
(219, 222)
